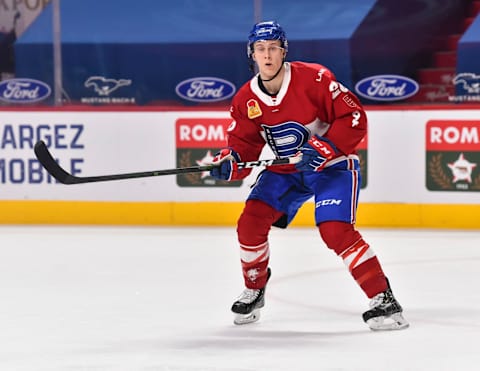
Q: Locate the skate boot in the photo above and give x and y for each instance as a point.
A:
(385, 312)
(247, 307)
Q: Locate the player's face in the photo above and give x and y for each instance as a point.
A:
(269, 57)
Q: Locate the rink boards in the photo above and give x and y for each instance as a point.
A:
(420, 168)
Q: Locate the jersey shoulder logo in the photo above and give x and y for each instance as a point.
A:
(320, 74)
(253, 109)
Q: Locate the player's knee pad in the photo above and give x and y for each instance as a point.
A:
(255, 222)
(338, 236)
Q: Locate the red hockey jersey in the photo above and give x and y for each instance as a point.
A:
(310, 101)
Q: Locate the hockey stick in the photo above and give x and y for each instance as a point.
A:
(45, 158)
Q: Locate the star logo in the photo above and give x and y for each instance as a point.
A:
(206, 160)
(462, 169)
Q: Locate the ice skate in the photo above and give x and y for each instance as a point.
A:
(247, 306)
(385, 313)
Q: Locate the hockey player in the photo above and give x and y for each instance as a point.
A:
(299, 109)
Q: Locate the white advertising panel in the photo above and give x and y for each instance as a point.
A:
(103, 143)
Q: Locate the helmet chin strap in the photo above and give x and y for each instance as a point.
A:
(267, 80)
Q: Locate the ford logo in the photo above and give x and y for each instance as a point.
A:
(205, 89)
(386, 87)
(23, 90)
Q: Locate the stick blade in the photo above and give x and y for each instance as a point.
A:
(49, 163)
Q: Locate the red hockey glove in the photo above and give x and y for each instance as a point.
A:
(225, 164)
(315, 154)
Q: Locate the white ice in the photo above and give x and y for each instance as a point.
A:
(157, 298)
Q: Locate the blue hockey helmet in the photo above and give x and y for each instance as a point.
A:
(269, 30)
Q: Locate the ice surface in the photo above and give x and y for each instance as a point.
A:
(128, 298)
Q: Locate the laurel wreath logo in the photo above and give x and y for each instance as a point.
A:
(476, 183)
(435, 170)
(363, 170)
(186, 161)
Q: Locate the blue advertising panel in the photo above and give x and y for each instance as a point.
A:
(179, 52)
(467, 79)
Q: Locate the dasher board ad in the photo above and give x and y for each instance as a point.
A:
(428, 156)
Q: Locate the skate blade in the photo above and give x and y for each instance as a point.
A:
(244, 319)
(394, 322)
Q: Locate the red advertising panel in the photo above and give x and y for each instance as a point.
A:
(197, 140)
(453, 155)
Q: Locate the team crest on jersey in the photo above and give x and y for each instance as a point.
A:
(253, 109)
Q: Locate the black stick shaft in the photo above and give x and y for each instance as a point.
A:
(48, 162)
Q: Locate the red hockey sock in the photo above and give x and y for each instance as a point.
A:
(357, 255)
(252, 229)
